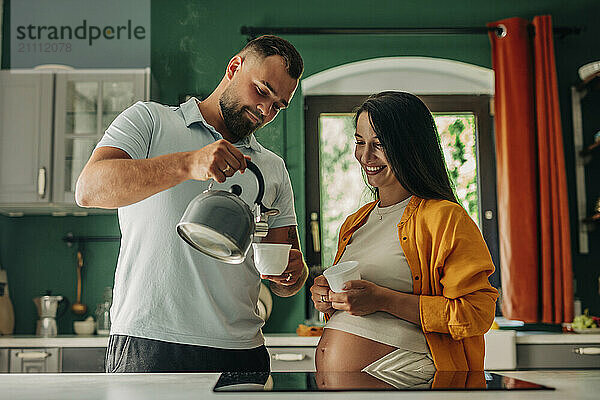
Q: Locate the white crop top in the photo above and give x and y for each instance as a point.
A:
(376, 247)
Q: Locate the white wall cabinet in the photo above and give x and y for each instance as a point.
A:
(50, 122)
(26, 113)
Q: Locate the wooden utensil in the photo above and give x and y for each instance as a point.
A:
(78, 307)
(7, 314)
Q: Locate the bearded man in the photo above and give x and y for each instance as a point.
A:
(175, 309)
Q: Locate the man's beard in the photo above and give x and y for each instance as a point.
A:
(234, 116)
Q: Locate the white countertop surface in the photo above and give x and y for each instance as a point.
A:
(282, 339)
(571, 385)
(556, 338)
(271, 340)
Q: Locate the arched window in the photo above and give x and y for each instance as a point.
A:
(459, 95)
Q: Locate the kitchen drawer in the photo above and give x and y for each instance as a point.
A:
(83, 359)
(560, 356)
(3, 361)
(34, 361)
(297, 359)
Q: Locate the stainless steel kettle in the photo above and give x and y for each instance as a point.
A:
(221, 225)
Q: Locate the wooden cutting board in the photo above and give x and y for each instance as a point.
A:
(7, 315)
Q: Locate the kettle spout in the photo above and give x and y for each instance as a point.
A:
(261, 215)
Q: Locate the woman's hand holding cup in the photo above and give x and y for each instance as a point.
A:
(320, 295)
(359, 297)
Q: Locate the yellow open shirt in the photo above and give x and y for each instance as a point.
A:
(450, 264)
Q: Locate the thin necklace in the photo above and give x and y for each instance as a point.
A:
(378, 213)
(389, 209)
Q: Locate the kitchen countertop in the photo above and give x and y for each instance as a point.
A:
(281, 339)
(572, 385)
(555, 338)
(271, 340)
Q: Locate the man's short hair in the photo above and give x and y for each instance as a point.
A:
(270, 45)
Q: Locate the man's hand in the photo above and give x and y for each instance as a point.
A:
(320, 295)
(293, 278)
(218, 160)
(359, 297)
(292, 273)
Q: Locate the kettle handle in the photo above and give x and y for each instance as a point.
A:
(261, 182)
(261, 189)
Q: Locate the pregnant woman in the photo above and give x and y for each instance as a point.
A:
(424, 300)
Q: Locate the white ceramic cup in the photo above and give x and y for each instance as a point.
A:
(271, 258)
(341, 273)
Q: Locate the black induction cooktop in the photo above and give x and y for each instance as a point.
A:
(363, 381)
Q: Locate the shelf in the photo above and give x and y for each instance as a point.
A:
(591, 82)
(70, 239)
(592, 218)
(583, 154)
(590, 149)
(83, 136)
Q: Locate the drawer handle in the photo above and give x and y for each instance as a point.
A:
(33, 355)
(42, 182)
(591, 351)
(289, 356)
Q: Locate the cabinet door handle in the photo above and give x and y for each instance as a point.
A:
(32, 355)
(592, 351)
(42, 182)
(289, 356)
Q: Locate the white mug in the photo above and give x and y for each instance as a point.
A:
(341, 273)
(271, 258)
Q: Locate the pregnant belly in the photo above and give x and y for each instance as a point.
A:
(343, 351)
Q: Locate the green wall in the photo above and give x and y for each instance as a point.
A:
(191, 43)
(37, 259)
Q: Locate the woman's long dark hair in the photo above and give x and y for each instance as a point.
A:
(407, 131)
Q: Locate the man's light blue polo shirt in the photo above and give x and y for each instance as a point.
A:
(165, 289)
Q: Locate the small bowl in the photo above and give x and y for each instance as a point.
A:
(83, 327)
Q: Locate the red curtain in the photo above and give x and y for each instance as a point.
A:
(555, 255)
(533, 218)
